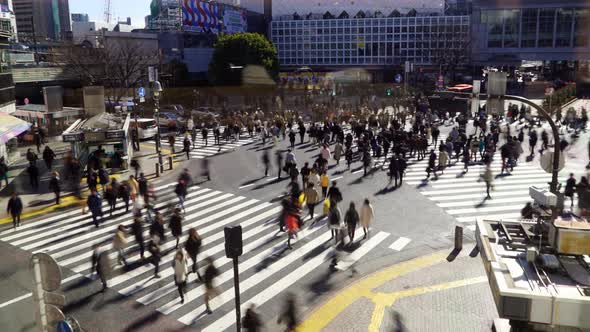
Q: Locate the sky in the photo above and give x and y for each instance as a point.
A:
(136, 9)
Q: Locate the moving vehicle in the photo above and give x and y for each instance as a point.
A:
(147, 128)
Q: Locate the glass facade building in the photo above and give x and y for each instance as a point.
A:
(512, 30)
(376, 42)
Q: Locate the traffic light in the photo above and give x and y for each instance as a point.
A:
(388, 92)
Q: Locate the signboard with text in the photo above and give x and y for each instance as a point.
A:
(234, 20)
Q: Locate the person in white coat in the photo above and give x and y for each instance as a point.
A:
(180, 267)
(367, 216)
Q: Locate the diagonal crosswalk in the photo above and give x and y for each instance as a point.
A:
(267, 267)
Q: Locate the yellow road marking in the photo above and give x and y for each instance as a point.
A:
(331, 309)
(322, 316)
(65, 202)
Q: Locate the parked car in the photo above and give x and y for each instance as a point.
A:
(170, 119)
(147, 128)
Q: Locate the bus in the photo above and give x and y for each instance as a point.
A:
(147, 128)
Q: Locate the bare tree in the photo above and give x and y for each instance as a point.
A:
(117, 64)
(452, 49)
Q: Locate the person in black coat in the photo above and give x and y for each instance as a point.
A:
(33, 171)
(251, 321)
(55, 186)
(101, 264)
(154, 249)
(137, 230)
(48, 156)
(143, 186)
(176, 225)
(15, 209)
(157, 227)
(124, 194)
(193, 247)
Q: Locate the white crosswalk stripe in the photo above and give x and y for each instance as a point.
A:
(463, 195)
(267, 264)
(204, 149)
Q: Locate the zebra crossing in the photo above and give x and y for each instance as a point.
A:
(267, 267)
(204, 149)
(463, 195)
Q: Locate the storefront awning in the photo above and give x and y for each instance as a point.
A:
(11, 127)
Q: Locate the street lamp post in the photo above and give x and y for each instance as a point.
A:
(157, 91)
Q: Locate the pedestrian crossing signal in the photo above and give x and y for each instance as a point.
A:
(233, 241)
(388, 92)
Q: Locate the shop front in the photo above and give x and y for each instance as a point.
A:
(109, 148)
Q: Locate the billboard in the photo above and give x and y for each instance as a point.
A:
(4, 8)
(234, 20)
(200, 16)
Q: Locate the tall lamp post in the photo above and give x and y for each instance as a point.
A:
(157, 91)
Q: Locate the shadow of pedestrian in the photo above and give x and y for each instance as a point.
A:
(142, 322)
(386, 190)
(451, 257)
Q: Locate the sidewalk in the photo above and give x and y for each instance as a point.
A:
(430, 293)
(43, 201)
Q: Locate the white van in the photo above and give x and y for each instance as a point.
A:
(147, 128)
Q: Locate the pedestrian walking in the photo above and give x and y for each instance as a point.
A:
(180, 267)
(443, 160)
(111, 193)
(334, 194)
(3, 171)
(324, 182)
(570, 188)
(266, 162)
(312, 198)
(186, 143)
(348, 157)
(156, 254)
(136, 229)
(366, 161)
(305, 172)
(94, 204)
(251, 321)
(172, 140)
(431, 168)
(135, 165)
(157, 227)
(338, 150)
(55, 186)
(205, 134)
(101, 263)
(367, 216)
(31, 157)
(488, 178)
(193, 247)
(181, 192)
(279, 158)
(124, 194)
(351, 219)
(288, 315)
(211, 291)
(175, 225)
(48, 156)
(335, 220)
(33, 172)
(292, 139)
(292, 223)
(119, 244)
(15, 209)
(133, 187)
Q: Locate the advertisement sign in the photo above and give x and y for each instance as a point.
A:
(200, 16)
(234, 20)
(4, 6)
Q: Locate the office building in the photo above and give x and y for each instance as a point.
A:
(77, 17)
(508, 31)
(378, 38)
(164, 15)
(46, 19)
(7, 33)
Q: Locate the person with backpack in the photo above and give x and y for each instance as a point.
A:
(48, 156)
(94, 203)
(193, 247)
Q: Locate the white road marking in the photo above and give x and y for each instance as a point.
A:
(400, 243)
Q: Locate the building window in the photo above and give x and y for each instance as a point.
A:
(565, 18)
(582, 25)
(493, 18)
(546, 25)
(511, 28)
(529, 28)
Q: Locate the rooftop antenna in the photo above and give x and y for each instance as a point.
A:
(107, 11)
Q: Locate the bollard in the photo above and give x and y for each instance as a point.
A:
(161, 167)
(170, 162)
(157, 170)
(458, 237)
